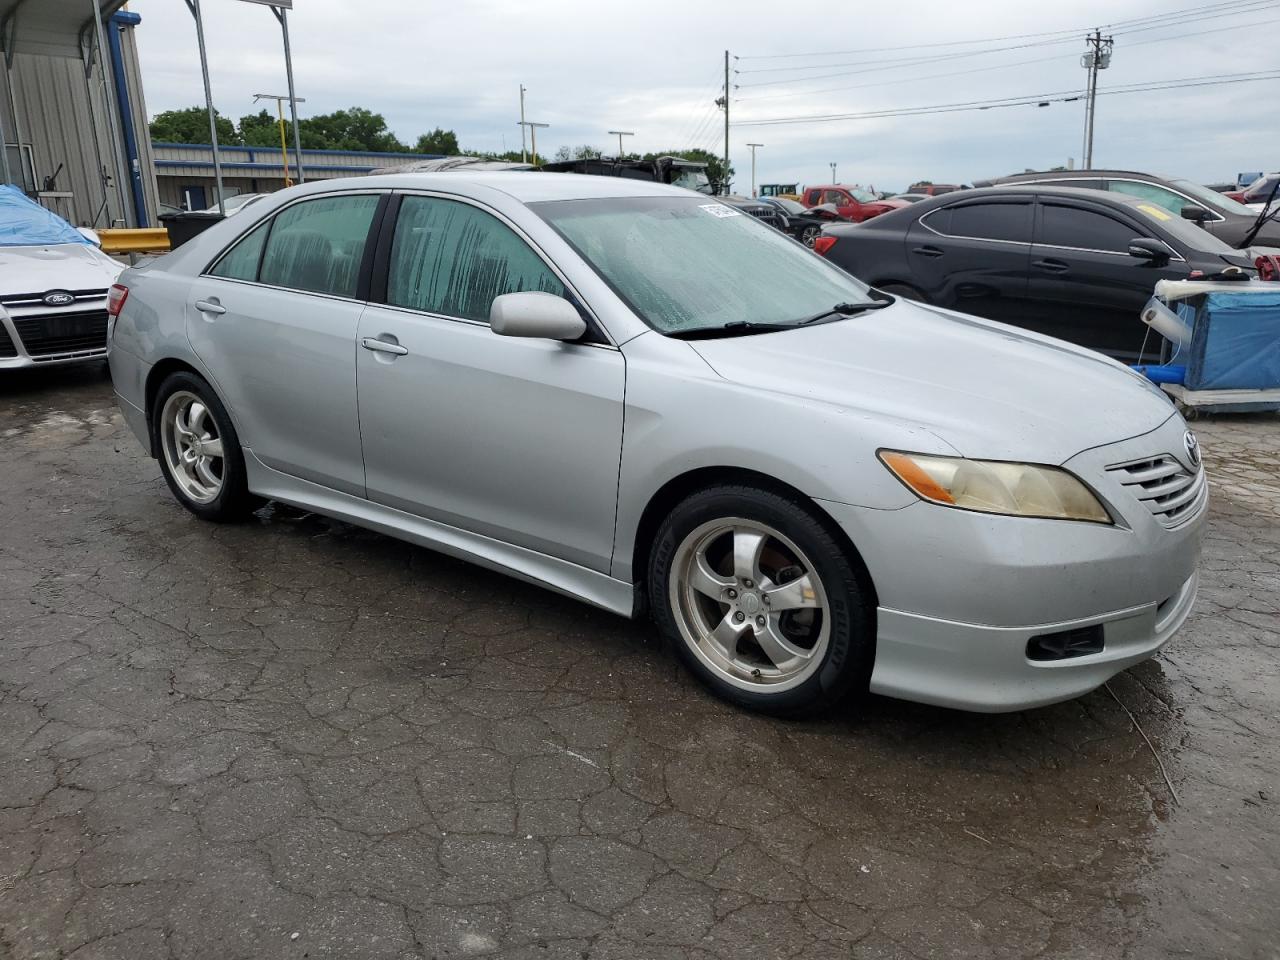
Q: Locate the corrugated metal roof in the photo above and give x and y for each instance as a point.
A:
(51, 28)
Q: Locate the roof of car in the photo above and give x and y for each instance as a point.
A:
(1072, 174)
(527, 186)
(1004, 190)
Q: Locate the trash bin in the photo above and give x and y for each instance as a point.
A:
(183, 226)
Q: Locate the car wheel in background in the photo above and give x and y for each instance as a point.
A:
(761, 601)
(904, 291)
(809, 234)
(199, 451)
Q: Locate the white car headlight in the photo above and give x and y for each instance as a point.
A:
(989, 486)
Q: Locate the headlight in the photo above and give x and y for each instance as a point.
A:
(988, 486)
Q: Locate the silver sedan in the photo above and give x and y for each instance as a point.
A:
(639, 397)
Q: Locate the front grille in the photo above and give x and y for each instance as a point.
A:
(7, 349)
(81, 331)
(767, 215)
(37, 299)
(1164, 486)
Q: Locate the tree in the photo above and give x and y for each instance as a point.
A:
(191, 126)
(352, 129)
(438, 141)
(260, 129)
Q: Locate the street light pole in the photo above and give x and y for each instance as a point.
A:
(284, 149)
(620, 134)
(753, 166)
(833, 174)
(524, 155)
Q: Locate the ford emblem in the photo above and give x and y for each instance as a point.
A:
(1193, 448)
(58, 298)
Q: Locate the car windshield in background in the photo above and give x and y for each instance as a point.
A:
(686, 264)
(862, 196)
(788, 206)
(1212, 199)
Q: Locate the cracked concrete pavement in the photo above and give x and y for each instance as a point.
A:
(293, 738)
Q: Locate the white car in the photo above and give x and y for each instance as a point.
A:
(53, 288)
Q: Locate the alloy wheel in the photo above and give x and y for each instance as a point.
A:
(192, 446)
(750, 604)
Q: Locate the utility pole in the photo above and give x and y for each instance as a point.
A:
(284, 149)
(620, 134)
(753, 165)
(726, 121)
(524, 156)
(533, 136)
(1097, 57)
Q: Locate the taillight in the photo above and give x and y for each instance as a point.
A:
(1268, 267)
(116, 297)
(823, 243)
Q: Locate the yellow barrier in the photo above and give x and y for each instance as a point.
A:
(140, 240)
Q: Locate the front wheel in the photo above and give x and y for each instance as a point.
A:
(761, 602)
(199, 451)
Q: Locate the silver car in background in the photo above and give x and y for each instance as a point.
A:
(640, 397)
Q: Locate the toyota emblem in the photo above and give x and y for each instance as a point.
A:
(58, 298)
(1193, 448)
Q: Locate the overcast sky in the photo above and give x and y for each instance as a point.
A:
(596, 66)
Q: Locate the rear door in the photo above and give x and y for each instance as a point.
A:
(971, 255)
(1084, 286)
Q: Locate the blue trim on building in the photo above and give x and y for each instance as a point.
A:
(236, 148)
(240, 165)
(119, 21)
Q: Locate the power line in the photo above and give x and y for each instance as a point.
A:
(1221, 9)
(1056, 96)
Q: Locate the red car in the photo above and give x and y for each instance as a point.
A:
(852, 203)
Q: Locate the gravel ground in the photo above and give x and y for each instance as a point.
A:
(293, 738)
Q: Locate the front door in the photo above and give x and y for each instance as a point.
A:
(1084, 287)
(276, 317)
(516, 439)
(972, 256)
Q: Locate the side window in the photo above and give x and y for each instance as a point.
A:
(453, 259)
(992, 221)
(1062, 226)
(241, 261)
(317, 245)
(1153, 192)
(837, 197)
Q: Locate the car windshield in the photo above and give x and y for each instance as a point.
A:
(1189, 235)
(682, 263)
(1212, 199)
(788, 206)
(692, 179)
(862, 196)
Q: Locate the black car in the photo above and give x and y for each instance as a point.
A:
(765, 212)
(1226, 219)
(804, 223)
(1070, 263)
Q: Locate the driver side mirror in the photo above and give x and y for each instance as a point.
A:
(1152, 251)
(535, 314)
(1195, 214)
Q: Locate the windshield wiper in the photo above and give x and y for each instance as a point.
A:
(1265, 214)
(844, 310)
(731, 329)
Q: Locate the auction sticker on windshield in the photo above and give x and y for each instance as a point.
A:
(719, 210)
(1154, 211)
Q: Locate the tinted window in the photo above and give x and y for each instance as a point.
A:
(241, 261)
(454, 259)
(317, 245)
(1062, 226)
(985, 221)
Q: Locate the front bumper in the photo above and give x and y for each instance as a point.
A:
(34, 335)
(961, 593)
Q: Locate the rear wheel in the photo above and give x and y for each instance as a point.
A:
(761, 601)
(199, 451)
(809, 234)
(905, 291)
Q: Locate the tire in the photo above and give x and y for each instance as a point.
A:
(904, 291)
(808, 235)
(732, 629)
(187, 419)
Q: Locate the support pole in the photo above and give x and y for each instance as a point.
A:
(283, 16)
(7, 30)
(122, 171)
(194, 7)
(753, 166)
(4, 148)
(524, 154)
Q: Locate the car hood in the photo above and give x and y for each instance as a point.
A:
(984, 388)
(61, 266)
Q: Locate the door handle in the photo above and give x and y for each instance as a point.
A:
(1052, 266)
(382, 346)
(210, 306)
(927, 251)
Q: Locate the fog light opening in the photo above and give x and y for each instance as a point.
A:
(1065, 644)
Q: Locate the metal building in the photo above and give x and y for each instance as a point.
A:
(72, 113)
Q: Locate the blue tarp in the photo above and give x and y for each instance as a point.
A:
(1236, 343)
(24, 223)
